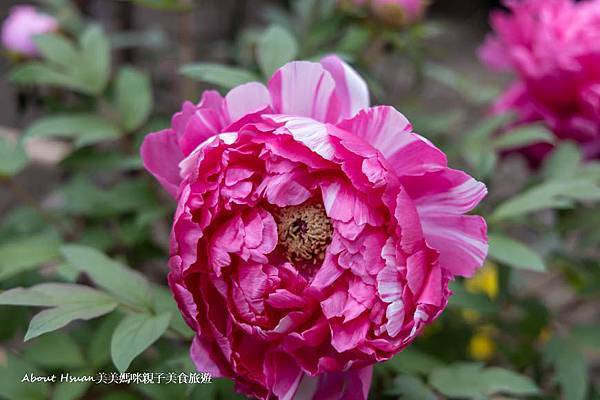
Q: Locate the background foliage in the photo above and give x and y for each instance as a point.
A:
(83, 263)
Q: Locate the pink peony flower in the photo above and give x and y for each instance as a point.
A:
(314, 236)
(22, 25)
(554, 48)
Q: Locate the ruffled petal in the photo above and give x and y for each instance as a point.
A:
(460, 239)
(161, 155)
(311, 133)
(446, 191)
(388, 131)
(441, 197)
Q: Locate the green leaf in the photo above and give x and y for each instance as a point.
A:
(58, 317)
(470, 380)
(523, 136)
(479, 302)
(52, 295)
(409, 387)
(84, 198)
(354, 40)
(587, 335)
(134, 334)
(12, 158)
(217, 74)
(54, 350)
(27, 253)
(84, 68)
(70, 390)
(133, 98)
(95, 53)
(460, 380)
(164, 302)
(169, 5)
(474, 92)
(412, 361)
(563, 162)
(513, 253)
(553, 194)
(124, 283)
(69, 302)
(276, 47)
(37, 73)
(571, 372)
(84, 128)
(12, 372)
(98, 351)
(58, 50)
(476, 147)
(500, 380)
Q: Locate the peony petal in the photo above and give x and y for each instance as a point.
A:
(346, 336)
(329, 272)
(202, 358)
(446, 191)
(304, 89)
(460, 239)
(494, 54)
(441, 198)
(388, 131)
(351, 90)
(246, 99)
(161, 155)
(349, 385)
(283, 375)
(311, 133)
(389, 284)
(196, 123)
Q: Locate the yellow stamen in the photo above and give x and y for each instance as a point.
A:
(304, 232)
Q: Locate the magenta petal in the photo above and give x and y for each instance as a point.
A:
(446, 191)
(350, 88)
(348, 385)
(388, 131)
(202, 358)
(161, 155)
(346, 336)
(283, 375)
(460, 239)
(246, 99)
(304, 89)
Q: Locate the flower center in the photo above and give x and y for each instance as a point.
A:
(304, 232)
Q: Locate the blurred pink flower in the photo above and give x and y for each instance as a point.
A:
(22, 25)
(314, 236)
(554, 48)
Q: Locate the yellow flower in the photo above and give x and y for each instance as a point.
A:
(481, 346)
(545, 335)
(485, 281)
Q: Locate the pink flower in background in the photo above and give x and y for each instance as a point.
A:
(399, 12)
(22, 25)
(554, 48)
(314, 236)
